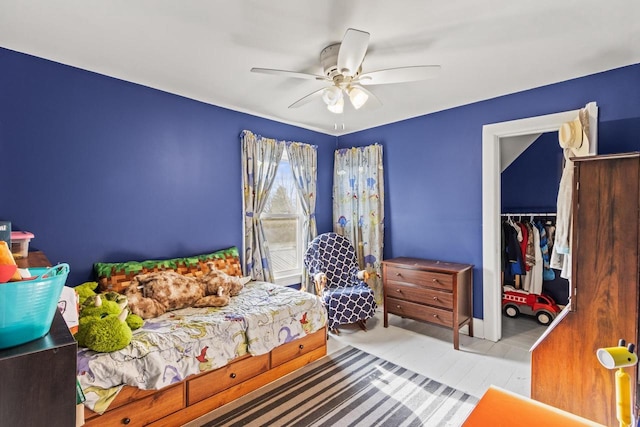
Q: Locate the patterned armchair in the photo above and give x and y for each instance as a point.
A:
(331, 260)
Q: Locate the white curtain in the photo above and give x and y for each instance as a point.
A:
(358, 207)
(303, 159)
(260, 159)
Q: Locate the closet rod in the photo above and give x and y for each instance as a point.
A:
(530, 214)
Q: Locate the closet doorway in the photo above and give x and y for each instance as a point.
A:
(503, 142)
(529, 192)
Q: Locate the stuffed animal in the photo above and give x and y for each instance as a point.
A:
(85, 290)
(153, 294)
(133, 320)
(104, 324)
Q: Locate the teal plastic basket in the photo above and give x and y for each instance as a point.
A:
(27, 307)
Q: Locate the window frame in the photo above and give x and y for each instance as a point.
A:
(291, 276)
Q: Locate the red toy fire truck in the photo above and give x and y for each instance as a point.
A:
(542, 307)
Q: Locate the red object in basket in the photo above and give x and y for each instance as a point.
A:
(6, 272)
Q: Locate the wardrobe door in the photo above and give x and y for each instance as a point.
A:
(605, 269)
(605, 299)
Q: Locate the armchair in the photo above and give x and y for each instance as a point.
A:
(331, 260)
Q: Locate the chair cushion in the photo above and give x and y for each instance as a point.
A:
(349, 304)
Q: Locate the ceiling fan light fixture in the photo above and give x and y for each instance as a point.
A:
(338, 107)
(343, 74)
(332, 95)
(358, 97)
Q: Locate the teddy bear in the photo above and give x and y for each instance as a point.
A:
(104, 323)
(153, 294)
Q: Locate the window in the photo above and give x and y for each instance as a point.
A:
(282, 220)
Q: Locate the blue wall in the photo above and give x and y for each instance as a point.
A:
(104, 170)
(530, 183)
(433, 163)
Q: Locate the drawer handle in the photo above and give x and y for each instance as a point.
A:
(399, 291)
(301, 346)
(434, 280)
(233, 375)
(435, 298)
(126, 420)
(397, 306)
(435, 316)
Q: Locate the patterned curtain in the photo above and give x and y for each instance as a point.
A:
(260, 159)
(358, 207)
(303, 159)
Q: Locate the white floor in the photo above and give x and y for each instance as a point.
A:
(428, 350)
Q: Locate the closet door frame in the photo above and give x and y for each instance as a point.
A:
(493, 135)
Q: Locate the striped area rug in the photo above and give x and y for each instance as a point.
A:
(348, 388)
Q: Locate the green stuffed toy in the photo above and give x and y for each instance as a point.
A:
(85, 290)
(105, 324)
(86, 296)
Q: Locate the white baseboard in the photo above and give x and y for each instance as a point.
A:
(478, 328)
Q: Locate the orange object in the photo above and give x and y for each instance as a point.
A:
(6, 258)
(500, 407)
(6, 272)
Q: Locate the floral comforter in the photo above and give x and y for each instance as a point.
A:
(185, 342)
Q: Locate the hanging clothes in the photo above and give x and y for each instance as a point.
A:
(528, 256)
(547, 272)
(550, 229)
(560, 258)
(514, 263)
(523, 244)
(532, 282)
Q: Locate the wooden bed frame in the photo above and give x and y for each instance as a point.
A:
(199, 394)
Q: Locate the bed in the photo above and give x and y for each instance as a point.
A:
(188, 362)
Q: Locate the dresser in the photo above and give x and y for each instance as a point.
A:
(605, 292)
(38, 378)
(431, 291)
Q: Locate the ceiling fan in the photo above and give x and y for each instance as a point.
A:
(342, 66)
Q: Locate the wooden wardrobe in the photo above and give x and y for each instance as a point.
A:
(604, 295)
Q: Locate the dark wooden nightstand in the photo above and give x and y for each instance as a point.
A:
(35, 259)
(38, 379)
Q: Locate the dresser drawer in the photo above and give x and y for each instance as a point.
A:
(419, 294)
(143, 411)
(295, 348)
(419, 277)
(206, 385)
(420, 312)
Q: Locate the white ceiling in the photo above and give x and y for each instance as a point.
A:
(204, 49)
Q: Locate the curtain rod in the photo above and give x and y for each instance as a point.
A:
(530, 214)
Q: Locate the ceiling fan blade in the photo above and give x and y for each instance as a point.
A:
(399, 75)
(352, 51)
(285, 73)
(307, 99)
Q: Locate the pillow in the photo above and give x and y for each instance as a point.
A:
(117, 276)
